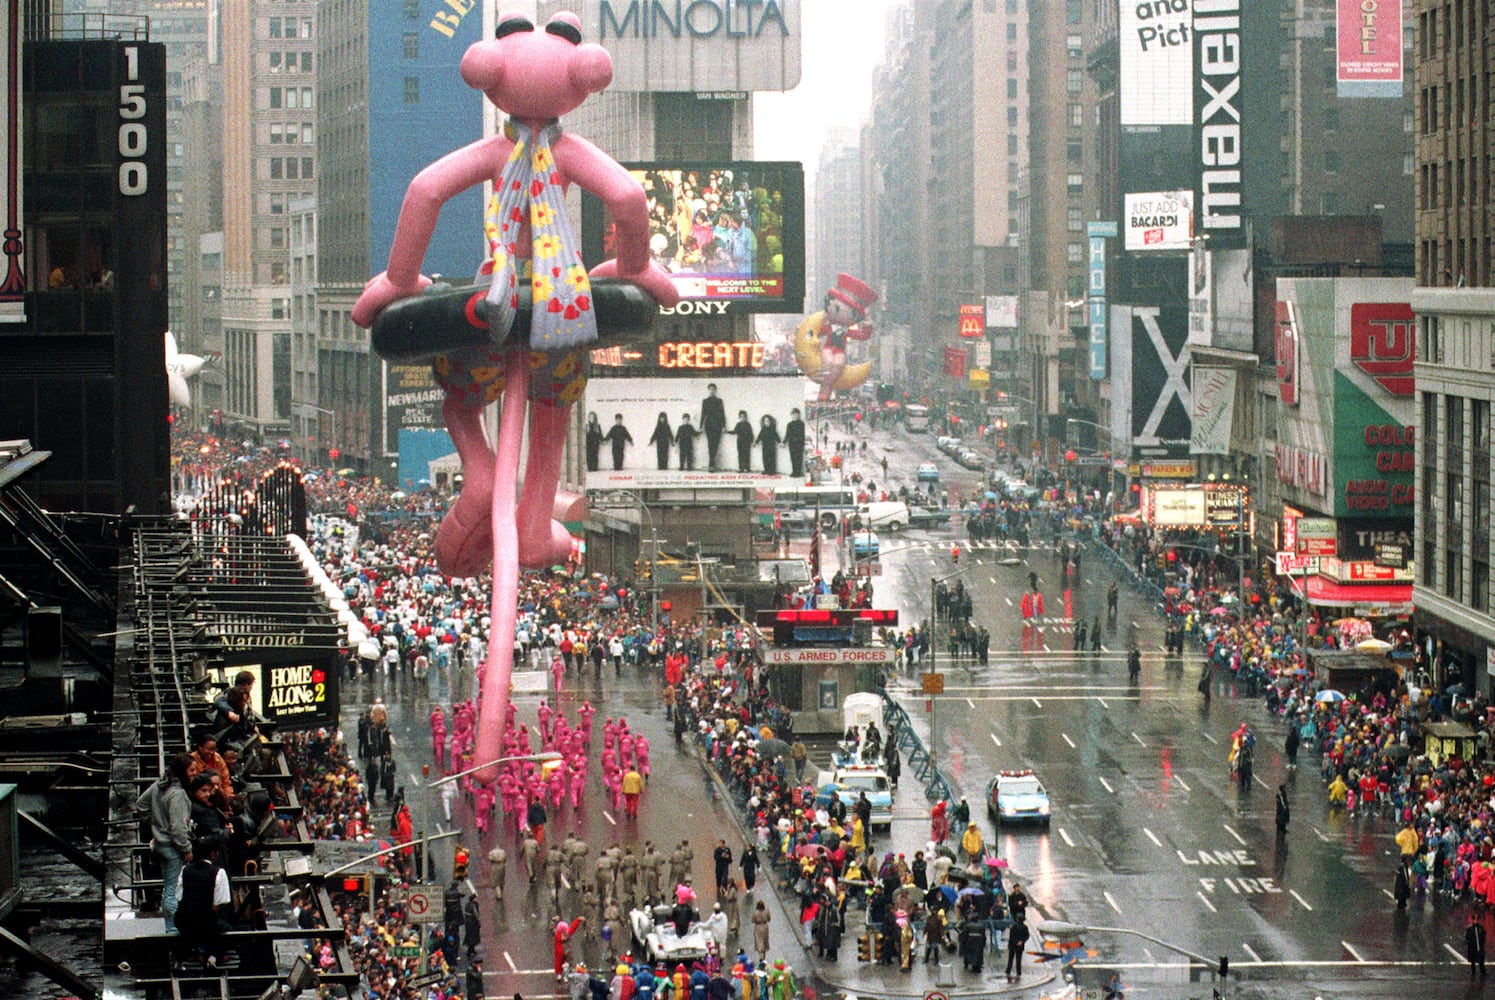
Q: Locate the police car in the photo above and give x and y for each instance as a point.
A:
(1017, 797)
(928, 472)
(848, 778)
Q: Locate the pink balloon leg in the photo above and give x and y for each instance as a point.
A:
(500, 661)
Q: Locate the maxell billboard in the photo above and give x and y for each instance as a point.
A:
(1218, 101)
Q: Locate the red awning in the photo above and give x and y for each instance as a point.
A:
(1327, 593)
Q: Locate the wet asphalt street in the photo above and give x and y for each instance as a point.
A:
(1148, 833)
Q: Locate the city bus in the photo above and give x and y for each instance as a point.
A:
(916, 418)
(798, 504)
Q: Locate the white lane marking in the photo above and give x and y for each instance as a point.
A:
(1182, 784)
(1251, 951)
(995, 740)
(1301, 901)
(1103, 648)
(1322, 836)
(1461, 959)
(1112, 901)
(1150, 956)
(1261, 783)
(1063, 833)
(1389, 895)
(1065, 737)
(1103, 703)
(1037, 703)
(1046, 648)
(609, 817)
(1139, 740)
(1088, 580)
(1106, 784)
(1353, 953)
(970, 702)
(1152, 836)
(1238, 838)
(1135, 625)
(1205, 900)
(1008, 600)
(1209, 737)
(510, 959)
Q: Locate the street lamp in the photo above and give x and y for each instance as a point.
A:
(1061, 930)
(653, 556)
(425, 797)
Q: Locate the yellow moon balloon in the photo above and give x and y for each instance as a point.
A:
(807, 353)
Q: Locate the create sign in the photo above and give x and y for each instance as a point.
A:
(708, 356)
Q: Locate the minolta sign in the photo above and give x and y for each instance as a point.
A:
(696, 46)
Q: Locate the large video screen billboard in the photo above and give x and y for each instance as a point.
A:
(727, 232)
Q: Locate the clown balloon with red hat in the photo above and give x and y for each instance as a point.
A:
(820, 341)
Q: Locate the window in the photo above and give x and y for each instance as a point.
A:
(277, 203)
(293, 97)
(1074, 81)
(1075, 182)
(1074, 152)
(305, 98)
(1011, 144)
(292, 168)
(276, 168)
(1012, 117)
(1409, 164)
(1012, 88)
(1074, 219)
(1074, 45)
(275, 62)
(1011, 31)
(1453, 574)
(277, 133)
(275, 98)
(410, 45)
(277, 238)
(306, 62)
(306, 133)
(306, 168)
(412, 90)
(412, 8)
(1076, 116)
(275, 27)
(1074, 253)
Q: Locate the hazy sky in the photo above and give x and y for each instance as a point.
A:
(841, 44)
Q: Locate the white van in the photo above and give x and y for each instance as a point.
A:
(889, 514)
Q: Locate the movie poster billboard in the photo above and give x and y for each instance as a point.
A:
(662, 432)
(1213, 414)
(1347, 449)
(1368, 55)
(728, 233)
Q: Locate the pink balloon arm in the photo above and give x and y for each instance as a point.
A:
(433, 187)
(499, 666)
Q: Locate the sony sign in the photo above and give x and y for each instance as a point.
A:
(1217, 41)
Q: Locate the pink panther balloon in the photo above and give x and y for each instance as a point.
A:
(535, 76)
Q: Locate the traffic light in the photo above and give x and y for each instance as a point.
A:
(1224, 966)
(354, 884)
(864, 947)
